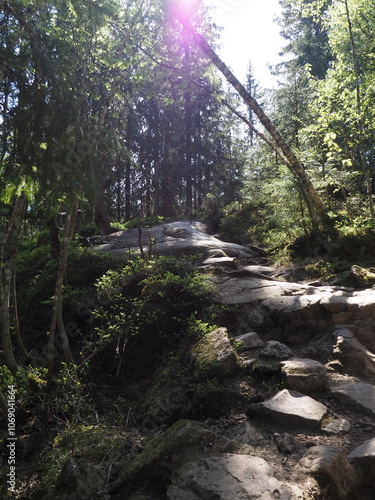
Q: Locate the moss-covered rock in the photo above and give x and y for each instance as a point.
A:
(77, 464)
(184, 441)
(213, 355)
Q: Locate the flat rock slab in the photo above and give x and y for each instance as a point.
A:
(230, 477)
(291, 408)
(303, 375)
(357, 394)
(364, 458)
(174, 238)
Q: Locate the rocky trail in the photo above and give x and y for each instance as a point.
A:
(293, 415)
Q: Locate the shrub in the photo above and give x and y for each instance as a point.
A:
(150, 306)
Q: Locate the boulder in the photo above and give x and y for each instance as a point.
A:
(250, 340)
(354, 357)
(286, 443)
(270, 357)
(303, 375)
(332, 469)
(214, 356)
(230, 477)
(276, 350)
(220, 402)
(290, 408)
(363, 458)
(174, 238)
(77, 480)
(185, 440)
(358, 395)
(336, 426)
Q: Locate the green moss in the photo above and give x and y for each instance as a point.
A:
(180, 443)
(95, 447)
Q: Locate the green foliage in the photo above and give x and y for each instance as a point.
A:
(240, 223)
(149, 221)
(156, 297)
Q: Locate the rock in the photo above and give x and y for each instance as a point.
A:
(69, 473)
(270, 357)
(290, 408)
(357, 394)
(336, 426)
(213, 355)
(286, 443)
(77, 480)
(227, 262)
(230, 477)
(264, 365)
(248, 341)
(303, 375)
(298, 316)
(342, 332)
(220, 402)
(354, 357)
(276, 350)
(365, 332)
(357, 277)
(332, 469)
(183, 441)
(245, 433)
(363, 458)
(174, 238)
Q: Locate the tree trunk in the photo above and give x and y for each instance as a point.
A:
(101, 214)
(21, 345)
(296, 166)
(8, 248)
(188, 147)
(362, 152)
(57, 322)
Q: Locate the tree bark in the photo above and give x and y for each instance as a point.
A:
(57, 323)
(8, 249)
(362, 153)
(295, 164)
(102, 219)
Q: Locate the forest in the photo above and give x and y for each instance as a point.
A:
(119, 114)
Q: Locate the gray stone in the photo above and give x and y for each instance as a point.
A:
(265, 365)
(237, 477)
(357, 394)
(227, 262)
(276, 350)
(214, 356)
(249, 340)
(164, 452)
(245, 433)
(354, 357)
(174, 238)
(336, 426)
(291, 408)
(342, 332)
(363, 458)
(286, 443)
(332, 469)
(304, 375)
(365, 332)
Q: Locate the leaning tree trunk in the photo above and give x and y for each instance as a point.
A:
(295, 164)
(8, 246)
